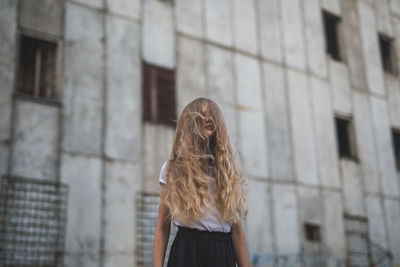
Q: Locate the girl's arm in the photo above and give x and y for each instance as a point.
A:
(162, 231)
(239, 242)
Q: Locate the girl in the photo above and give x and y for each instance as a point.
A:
(202, 192)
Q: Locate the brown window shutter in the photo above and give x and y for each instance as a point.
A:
(166, 107)
(159, 95)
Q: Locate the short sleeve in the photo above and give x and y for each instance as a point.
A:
(162, 173)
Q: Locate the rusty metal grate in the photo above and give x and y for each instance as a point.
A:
(358, 245)
(32, 222)
(147, 215)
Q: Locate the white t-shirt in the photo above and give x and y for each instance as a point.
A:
(210, 221)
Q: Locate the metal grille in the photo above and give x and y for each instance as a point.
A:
(147, 215)
(358, 245)
(32, 222)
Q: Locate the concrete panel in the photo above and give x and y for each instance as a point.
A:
(244, 25)
(35, 140)
(157, 145)
(285, 219)
(189, 17)
(392, 209)
(395, 7)
(384, 147)
(310, 212)
(83, 175)
(258, 224)
(127, 8)
(269, 26)
(82, 97)
(376, 220)
(393, 89)
(191, 80)
(352, 43)
(325, 133)
(87, 260)
(352, 187)
(333, 6)
(6, 89)
(221, 85)
(4, 150)
(252, 136)
(218, 21)
(365, 143)
(293, 42)
(123, 131)
(8, 25)
(340, 86)
(121, 259)
(369, 37)
(42, 15)
(276, 114)
(123, 181)
(158, 40)
(334, 228)
(396, 43)
(91, 3)
(383, 18)
(302, 128)
(314, 34)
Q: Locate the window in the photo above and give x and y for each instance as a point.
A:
(387, 54)
(358, 244)
(312, 232)
(159, 95)
(396, 146)
(345, 137)
(37, 68)
(331, 23)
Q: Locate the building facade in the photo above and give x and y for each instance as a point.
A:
(309, 88)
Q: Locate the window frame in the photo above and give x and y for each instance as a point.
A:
(392, 54)
(350, 135)
(155, 79)
(338, 35)
(58, 42)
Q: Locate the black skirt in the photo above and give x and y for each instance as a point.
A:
(197, 248)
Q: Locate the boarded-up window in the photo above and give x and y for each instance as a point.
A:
(331, 27)
(345, 137)
(387, 54)
(37, 68)
(159, 95)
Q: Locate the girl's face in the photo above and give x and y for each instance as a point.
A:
(208, 124)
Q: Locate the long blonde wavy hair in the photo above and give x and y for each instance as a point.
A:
(187, 172)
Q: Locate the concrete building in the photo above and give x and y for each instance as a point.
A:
(310, 90)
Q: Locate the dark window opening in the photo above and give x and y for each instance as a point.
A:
(37, 68)
(312, 232)
(331, 23)
(345, 137)
(159, 95)
(396, 146)
(387, 54)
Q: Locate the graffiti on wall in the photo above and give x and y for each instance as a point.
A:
(294, 259)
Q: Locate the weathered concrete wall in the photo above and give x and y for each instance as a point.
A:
(43, 15)
(264, 63)
(35, 140)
